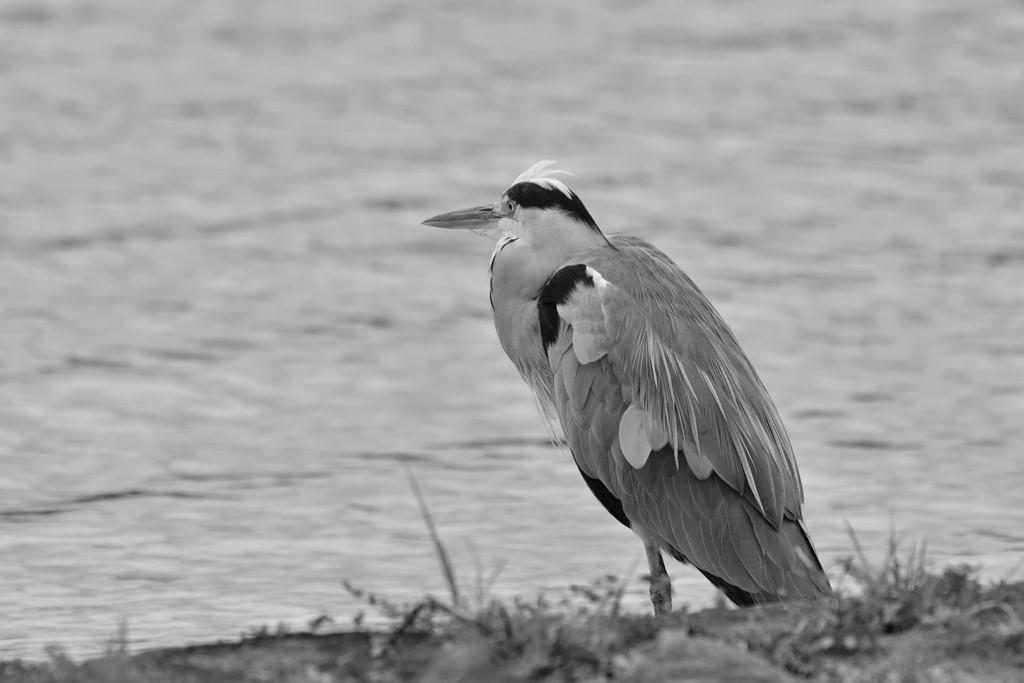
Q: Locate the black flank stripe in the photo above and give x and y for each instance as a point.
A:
(555, 293)
(610, 502)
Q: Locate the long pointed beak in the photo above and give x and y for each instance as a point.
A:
(476, 218)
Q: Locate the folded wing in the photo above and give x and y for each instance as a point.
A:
(663, 409)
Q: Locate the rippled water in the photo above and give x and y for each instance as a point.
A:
(222, 328)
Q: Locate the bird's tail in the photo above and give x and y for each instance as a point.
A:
(809, 578)
(805, 580)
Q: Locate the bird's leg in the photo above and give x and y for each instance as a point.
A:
(661, 584)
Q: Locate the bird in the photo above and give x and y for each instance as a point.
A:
(665, 417)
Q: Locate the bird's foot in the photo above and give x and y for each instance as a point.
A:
(661, 594)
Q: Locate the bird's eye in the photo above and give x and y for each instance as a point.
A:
(510, 207)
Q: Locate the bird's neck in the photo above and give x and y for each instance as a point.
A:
(522, 263)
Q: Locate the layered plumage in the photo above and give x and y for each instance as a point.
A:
(660, 405)
(665, 416)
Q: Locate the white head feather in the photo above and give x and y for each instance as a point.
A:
(541, 174)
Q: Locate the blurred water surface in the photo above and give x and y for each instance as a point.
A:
(222, 326)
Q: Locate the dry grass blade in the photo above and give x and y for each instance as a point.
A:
(484, 584)
(1011, 614)
(493, 577)
(442, 554)
(1014, 569)
(856, 545)
(620, 590)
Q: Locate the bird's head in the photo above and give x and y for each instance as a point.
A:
(537, 208)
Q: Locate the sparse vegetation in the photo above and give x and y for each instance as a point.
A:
(894, 621)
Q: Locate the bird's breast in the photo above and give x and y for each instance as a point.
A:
(518, 326)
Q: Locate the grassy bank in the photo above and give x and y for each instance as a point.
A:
(894, 621)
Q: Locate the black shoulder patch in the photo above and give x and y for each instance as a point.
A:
(555, 293)
(533, 195)
(610, 502)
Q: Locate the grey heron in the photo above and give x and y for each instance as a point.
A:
(665, 417)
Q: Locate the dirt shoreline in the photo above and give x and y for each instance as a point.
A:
(777, 643)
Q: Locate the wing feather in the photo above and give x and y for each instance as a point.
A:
(586, 376)
(632, 439)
